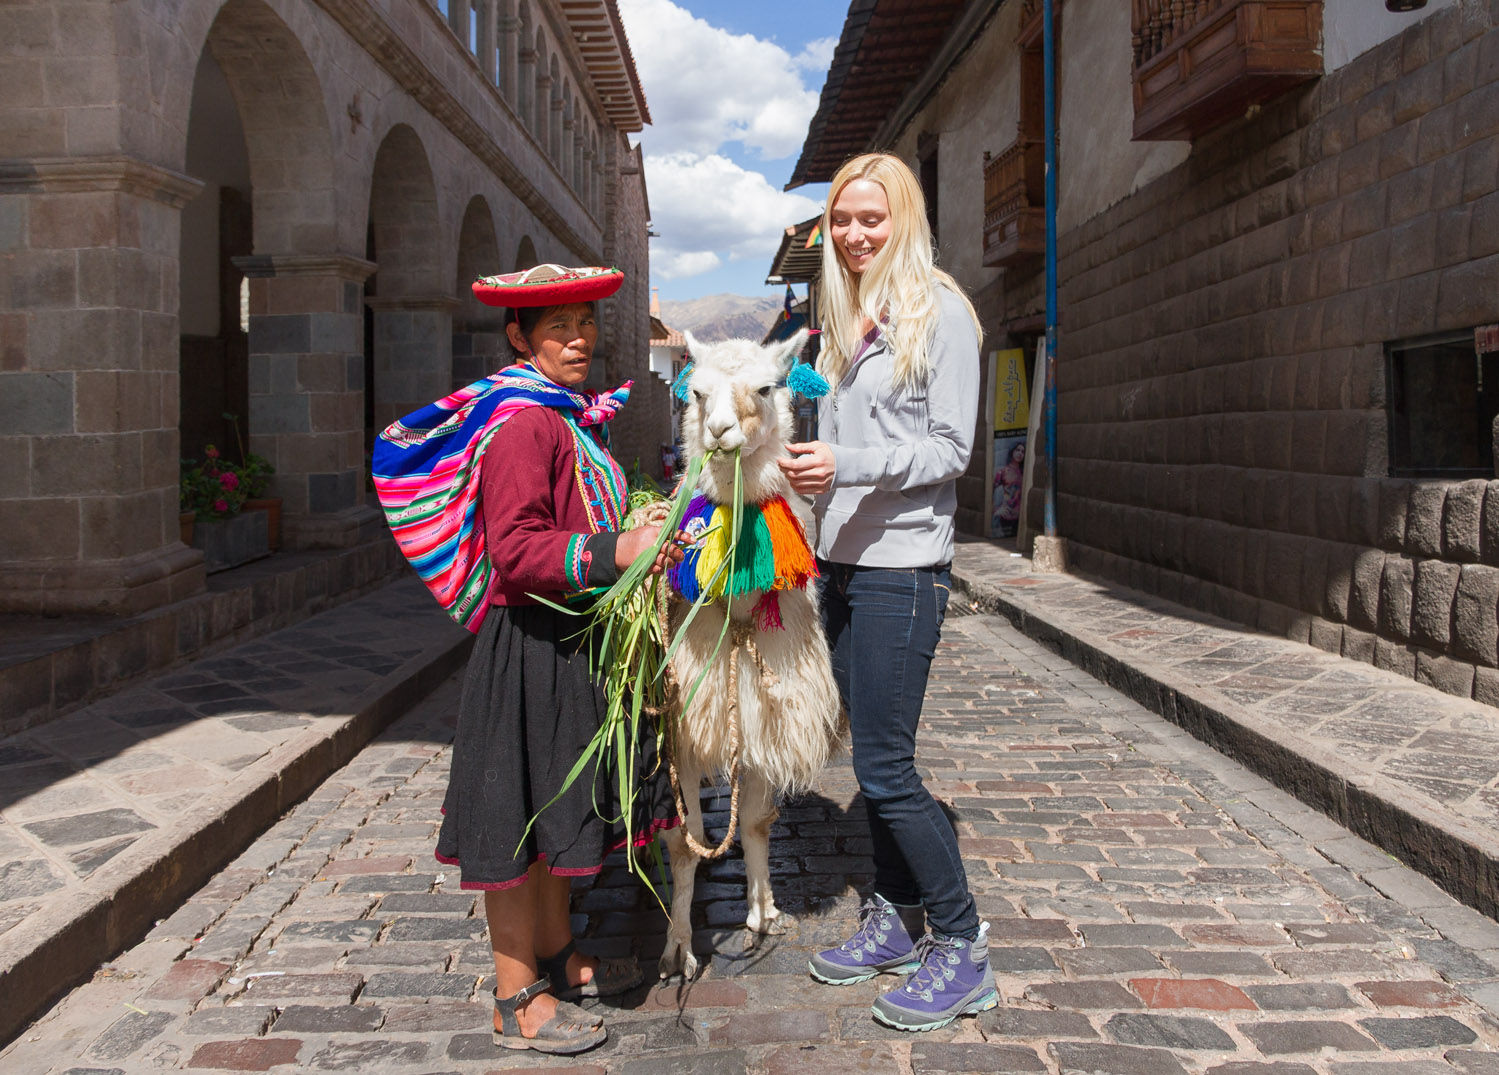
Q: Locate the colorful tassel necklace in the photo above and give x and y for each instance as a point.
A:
(773, 555)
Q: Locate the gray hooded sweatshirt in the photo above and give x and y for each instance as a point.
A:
(897, 453)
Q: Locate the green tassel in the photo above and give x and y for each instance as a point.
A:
(755, 559)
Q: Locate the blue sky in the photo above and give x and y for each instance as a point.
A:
(731, 88)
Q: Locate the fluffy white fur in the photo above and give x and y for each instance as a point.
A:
(789, 719)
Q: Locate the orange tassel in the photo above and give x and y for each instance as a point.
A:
(795, 564)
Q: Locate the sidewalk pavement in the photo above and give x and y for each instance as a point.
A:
(1401, 764)
(112, 815)
(1154, 909)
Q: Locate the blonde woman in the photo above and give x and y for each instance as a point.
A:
(900, 346)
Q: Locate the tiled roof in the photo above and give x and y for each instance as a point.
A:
(794, 263)
(885, 46)
(606, 51)
(665, 335)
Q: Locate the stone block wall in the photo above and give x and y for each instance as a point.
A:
(89, 387)
(1222, 387)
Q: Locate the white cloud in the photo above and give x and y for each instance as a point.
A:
(816, 57)
(679, 266)
(706, 86)
(706, 209)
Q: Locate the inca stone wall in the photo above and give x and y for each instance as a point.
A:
(1222, 382)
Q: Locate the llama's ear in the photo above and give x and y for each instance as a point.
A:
(692, 345)
(786, 357)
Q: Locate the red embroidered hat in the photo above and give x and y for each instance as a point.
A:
(548, 285)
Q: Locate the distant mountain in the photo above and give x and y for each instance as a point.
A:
(723, 317)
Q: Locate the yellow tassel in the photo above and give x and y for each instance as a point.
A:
(712, 553)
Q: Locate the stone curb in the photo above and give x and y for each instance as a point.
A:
(1461, 857)
(108, 656)
(64, 945)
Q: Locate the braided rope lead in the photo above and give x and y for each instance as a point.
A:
(740, 633)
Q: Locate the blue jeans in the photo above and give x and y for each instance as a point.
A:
(882, 625)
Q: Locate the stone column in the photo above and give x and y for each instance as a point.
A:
(307, 393)
(543, 103)
(506, 57)
(479, 344)
(525, 83)
(413, 353)
(89, 251)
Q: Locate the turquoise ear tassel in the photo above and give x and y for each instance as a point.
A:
(806, 381)
(679, 387)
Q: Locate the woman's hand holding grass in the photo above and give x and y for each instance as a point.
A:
(633, 542)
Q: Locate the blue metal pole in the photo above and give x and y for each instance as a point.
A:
(1049, 55)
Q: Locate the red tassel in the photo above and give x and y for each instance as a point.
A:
(767, 612)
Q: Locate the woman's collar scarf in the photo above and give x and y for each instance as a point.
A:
(427, 474)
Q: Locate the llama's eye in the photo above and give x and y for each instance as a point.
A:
(766, 390)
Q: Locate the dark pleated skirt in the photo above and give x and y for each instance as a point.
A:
(528, 711)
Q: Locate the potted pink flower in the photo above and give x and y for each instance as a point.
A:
(215, 492)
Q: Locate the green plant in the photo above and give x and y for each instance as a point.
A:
(640, 485)
(256, 470)
(255, 475)
(213, 489)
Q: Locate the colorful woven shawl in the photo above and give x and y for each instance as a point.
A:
(427, 466)
(773, 555)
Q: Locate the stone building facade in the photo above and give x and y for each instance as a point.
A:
(272, 209)
(1275, 398)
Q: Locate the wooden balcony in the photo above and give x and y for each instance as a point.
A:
(1201, 63)
(1015, 204)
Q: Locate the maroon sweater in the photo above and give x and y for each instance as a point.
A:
(541, 540)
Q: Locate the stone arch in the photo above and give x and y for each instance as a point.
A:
(287, 132)
(410, 327)
(404, 217)
(213, 370)
(525, 254)
(477, 328)
(257, 134)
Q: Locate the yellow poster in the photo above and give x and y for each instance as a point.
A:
(1012, 403)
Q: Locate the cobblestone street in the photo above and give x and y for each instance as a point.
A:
(1154, 910)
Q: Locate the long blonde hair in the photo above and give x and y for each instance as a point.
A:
(900, 283)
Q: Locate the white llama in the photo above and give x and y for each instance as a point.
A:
(788, 710)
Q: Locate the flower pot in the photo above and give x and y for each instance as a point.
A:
(271, 505)
(231, 540)
(185, 522)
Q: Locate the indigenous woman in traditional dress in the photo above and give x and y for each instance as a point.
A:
(900, 350)
(520, 462)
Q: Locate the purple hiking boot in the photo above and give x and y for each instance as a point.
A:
(954, 979)
(881, 946)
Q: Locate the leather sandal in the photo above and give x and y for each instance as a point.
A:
(610, 978)
(562, 1034)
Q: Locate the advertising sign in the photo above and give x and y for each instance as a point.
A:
(1012, 410)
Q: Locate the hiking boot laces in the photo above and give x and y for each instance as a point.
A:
(874, 930)
(939, 962)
